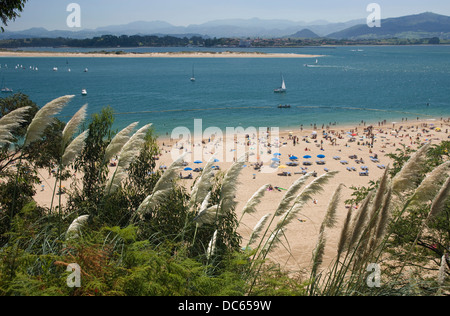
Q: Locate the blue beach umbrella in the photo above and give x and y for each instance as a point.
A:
(277, 154)
(307, 157)
(321, 156)
(275, 159)
(293, 158)
(198, 161)
(188, 169)
(216, 160)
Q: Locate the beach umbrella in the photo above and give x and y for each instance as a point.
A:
(198, 161)
(188, 169)
(293, 158)
(277, 154)
(216, 160)
(307, 157)
(275, 159)
(321, 156)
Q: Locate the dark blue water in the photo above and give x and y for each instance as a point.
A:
(348, 85)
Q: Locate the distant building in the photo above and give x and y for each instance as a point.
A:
(245, 43)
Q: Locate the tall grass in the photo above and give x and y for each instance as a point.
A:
(209, 216)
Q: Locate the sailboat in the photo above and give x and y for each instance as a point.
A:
(5, 89)
(193, 75)
(282, 89)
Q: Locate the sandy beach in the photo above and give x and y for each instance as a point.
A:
(337, 144)
(156, 55)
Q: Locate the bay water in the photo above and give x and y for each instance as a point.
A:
(347, 85)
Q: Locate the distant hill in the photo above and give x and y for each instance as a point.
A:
(305, 33)
(255, 27)
(423, 25)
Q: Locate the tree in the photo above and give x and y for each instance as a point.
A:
(434, 41)
(9, 10)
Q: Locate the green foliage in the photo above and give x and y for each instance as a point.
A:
(164, 251)
(9, 10)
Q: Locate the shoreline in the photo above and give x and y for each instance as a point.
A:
(390, 124)
(156, 55)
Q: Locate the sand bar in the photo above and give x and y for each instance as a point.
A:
(157, 55)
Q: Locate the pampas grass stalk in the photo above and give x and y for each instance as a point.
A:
(405, 180)
(44, 117)
(439, 201)
(74, 228)
(317, 258)
(328, 222)
(306, 195)
(229, 185)
(291, 194)
(202, 184)
(343, 240)
(162, 188)
(118, 141)
(330, 217)
(250, 206)
(128, 153)
(258, 229)
(384, 216)
(431, 184)
(442, 269)
(74, 149)
(360, 220)
(212, 246)
(72, 126)
(11, 121)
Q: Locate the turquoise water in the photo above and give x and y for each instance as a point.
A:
(350, 84)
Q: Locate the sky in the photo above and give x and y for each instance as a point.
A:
(52, 14)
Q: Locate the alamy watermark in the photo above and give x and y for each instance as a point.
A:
(374, 18)
(257, 145)
(74, 279)
(74, 18)
(374, 278)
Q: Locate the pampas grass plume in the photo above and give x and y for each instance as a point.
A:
(74, 149)
(74, 228)
(117, 143)
(11, 121)
(404, 180)
(44, 117)
(72, 126)
(250, 206)
(258, 229)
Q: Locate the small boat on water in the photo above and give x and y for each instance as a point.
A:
(84, 92)
(282, 89)
(5, 89)
(86, 70)
(55, 68)
(193, 74)
(287, 106)
(317, 62)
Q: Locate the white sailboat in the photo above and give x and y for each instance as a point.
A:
(5, 89)
(193, 74)
(282, 89)
(84, 92)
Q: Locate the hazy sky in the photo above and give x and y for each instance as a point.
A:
(52, 14)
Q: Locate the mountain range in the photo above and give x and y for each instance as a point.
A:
(418, 26)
